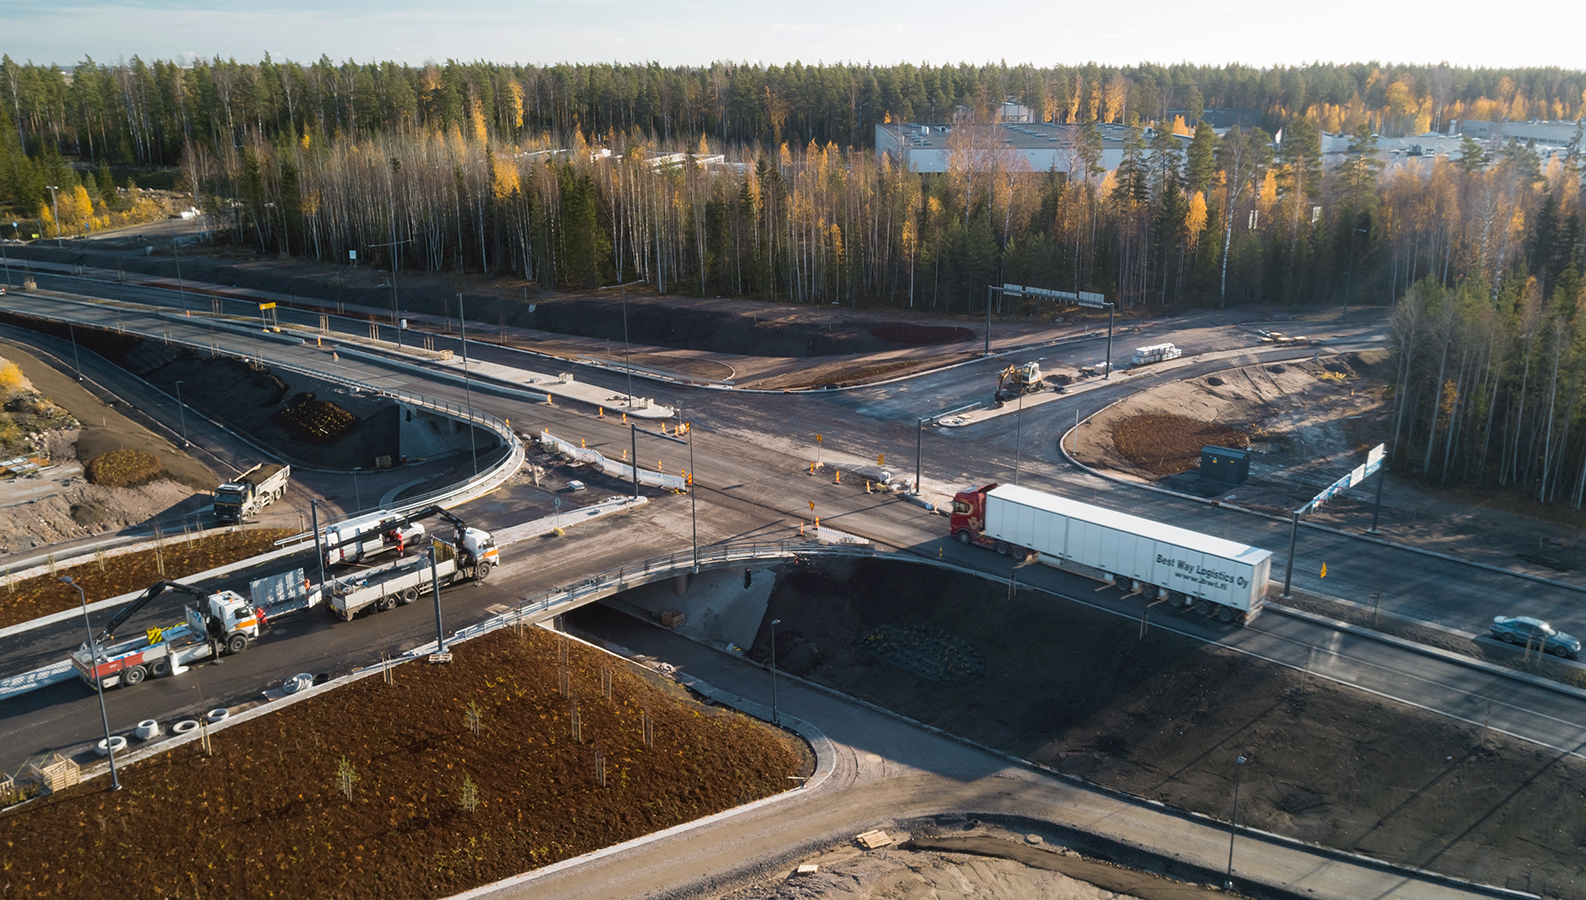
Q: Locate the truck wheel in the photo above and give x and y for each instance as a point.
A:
(408, 595)
(385, 603)
(160, 668)
(133, 676)
(1002, 548)
(236, 643)
(1225, 614)
(965, 538)
(1203, 607)
(482, 571)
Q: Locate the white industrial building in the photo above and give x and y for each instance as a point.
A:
(1043, 146)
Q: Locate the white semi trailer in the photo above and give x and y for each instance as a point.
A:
(1211, 575)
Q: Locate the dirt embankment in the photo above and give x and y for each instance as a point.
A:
(1293, 415)
(742, 327)
(1163, 718)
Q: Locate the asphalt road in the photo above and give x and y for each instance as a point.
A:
(751, 463)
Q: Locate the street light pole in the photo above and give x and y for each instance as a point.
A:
(462, 327)
(1349, 285)
(919, 452)
(693, 502)
(1294, 534)
(776, 718)
(396, 322)
(181, 410)
(181, 292)
(93, 663)
(1233, 826)
(55, 213)
(627, 350)
(1018, 438)
(356, 496)
(71, 329)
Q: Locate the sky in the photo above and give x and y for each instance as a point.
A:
(677, 32)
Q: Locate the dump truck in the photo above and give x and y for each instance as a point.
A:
(217, 622)
(1187, 570)
(1017, 380)
(240, 498)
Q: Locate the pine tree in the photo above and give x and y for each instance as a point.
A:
(1201, 162)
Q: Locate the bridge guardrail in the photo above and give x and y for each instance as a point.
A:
(655, 568)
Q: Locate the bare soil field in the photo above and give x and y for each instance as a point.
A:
(1163, 718)
(59, 504)
(450, 777)
(1309, 422)
(102, 577)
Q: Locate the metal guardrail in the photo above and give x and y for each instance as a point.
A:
(485, 481)
(637, 574)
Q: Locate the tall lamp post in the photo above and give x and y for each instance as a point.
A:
(395, 321)
(93, 651)
(468, 393)
(181, 409)
(71, 329)
(181, 292)
(1233, 826)
(55, 213)
(776, 718)
(1350, 284)
(6, 259)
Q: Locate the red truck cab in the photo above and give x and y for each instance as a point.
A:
(968, 519)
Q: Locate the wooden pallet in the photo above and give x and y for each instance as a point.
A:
(874, 840)
(672, 618)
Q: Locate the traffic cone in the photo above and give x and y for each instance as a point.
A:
(839, 476)
(602, 413)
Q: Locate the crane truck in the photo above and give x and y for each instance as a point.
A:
(217, 622)
(468, 554)
(240, 498)
(1188, 570)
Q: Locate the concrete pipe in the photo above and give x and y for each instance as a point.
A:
(148, 730)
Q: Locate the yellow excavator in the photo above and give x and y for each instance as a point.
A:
(1017, 380)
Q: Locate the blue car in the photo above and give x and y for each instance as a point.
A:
(1524, 629)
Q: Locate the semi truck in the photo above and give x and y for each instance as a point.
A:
(1186, 569)
(240, 498)
(217, 622)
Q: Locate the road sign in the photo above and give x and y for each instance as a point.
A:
(1356, 476)
(264, 306)
(1083, 298)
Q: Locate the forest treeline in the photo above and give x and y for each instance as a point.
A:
(578, 176)
(142, 113)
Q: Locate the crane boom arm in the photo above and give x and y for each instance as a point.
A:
(142, 600)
